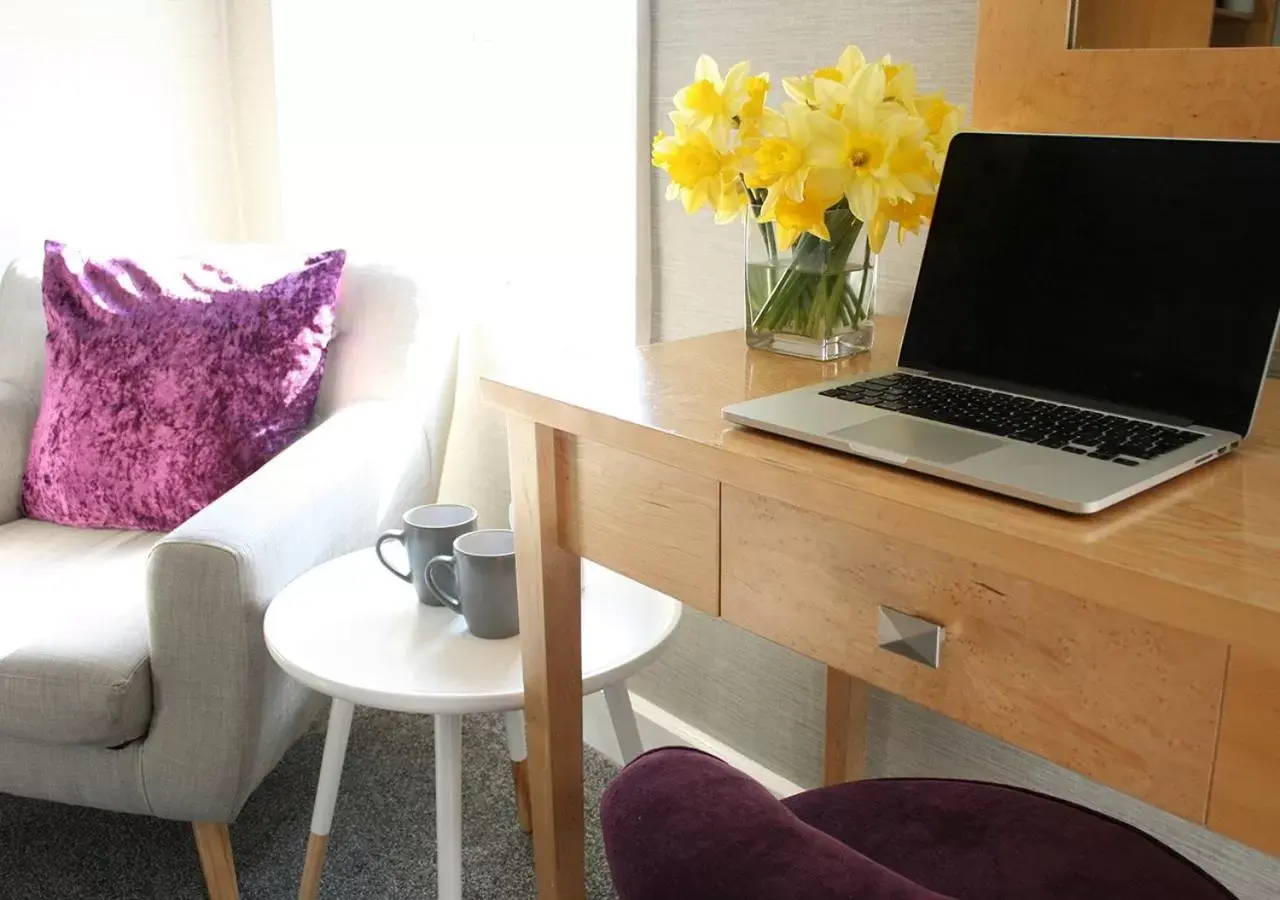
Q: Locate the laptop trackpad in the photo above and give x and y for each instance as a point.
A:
(916, 439)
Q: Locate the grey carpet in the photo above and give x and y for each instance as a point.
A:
(382, 843)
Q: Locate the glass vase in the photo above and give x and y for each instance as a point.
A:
(815, 298)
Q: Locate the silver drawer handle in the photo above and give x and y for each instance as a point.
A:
(919, 640)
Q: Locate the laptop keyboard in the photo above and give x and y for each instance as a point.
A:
(1126, 442)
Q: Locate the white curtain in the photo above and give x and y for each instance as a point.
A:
(113, 123)
(493, 147)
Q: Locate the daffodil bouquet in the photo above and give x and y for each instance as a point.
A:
(855, 151)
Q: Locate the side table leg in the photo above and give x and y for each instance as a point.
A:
(335, 751)
(550, 595)
(625, 727)
(519, 751)
(449, 807)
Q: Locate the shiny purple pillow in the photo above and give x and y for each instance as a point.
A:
(167, 383)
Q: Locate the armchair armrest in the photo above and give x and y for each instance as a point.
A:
(224, 712)
(17, 420)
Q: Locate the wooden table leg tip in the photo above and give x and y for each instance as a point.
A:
(313, 869)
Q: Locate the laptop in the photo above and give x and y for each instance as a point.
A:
(1093, 316)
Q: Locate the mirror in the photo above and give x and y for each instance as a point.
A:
(1146, 24)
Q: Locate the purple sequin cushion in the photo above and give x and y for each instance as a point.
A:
(168, 383)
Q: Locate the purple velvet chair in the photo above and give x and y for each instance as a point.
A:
(682, 825)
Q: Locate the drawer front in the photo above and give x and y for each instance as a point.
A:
(1246, 780)
(643, 519)
(1129, 703)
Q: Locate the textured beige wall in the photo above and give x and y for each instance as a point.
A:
(759, 698)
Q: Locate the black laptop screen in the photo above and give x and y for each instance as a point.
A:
(1143, 273)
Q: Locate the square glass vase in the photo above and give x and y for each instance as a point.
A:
(816, 298)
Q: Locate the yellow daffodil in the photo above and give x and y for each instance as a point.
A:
(701, 173)
(858, 133)
(942, 119)
(752, 113)
(807, 88)
(711, 103)
(900, 81)
(865, 91)
(910, 216)
(795, 218)
(939, 116)
(910, 168)
(790, 150)
(872, 132)
(732, 200)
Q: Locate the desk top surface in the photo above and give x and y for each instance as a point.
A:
(1201, 552)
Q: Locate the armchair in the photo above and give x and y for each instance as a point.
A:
(679, 823)
(133, 673)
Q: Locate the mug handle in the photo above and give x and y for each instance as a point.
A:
(397, 535)
(443, 596)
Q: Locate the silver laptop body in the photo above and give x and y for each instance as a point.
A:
(1101, 416)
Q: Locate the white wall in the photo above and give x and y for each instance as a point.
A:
(488, 140)
(113, 123)
(255, 141)
(490, 145)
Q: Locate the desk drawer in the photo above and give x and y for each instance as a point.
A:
(651, 522)
(1130, 703)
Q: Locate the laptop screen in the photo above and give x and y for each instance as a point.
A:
(1142, 273)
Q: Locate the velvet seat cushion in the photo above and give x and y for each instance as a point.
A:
(679, 823)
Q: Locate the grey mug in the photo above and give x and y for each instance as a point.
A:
(483, 566)
(428, 532)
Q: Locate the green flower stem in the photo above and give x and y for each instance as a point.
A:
(787, 299)
(858, 314)
(813, 296)
(766, 229)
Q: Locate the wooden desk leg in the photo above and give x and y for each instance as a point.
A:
(846, 744)
(549, 586)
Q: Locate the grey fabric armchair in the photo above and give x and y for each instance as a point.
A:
(133, 674)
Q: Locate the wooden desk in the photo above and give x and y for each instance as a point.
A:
(1140, 646)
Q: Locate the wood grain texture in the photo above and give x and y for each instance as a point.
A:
(213, 845)
(313, 868)
(1027, 80)
(1245, 802)
(549, 588)
(624, 511)
(845, 748)
(1200, 553)
(1134, 24)
(1131, 704)
(520, 783)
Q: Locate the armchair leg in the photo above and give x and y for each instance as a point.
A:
(213, 843)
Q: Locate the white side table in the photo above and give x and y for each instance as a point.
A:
(350, 630)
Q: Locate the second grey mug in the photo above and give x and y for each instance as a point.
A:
(428, 531)
(483, 566)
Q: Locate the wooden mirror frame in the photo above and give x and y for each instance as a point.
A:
(1027, 79)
